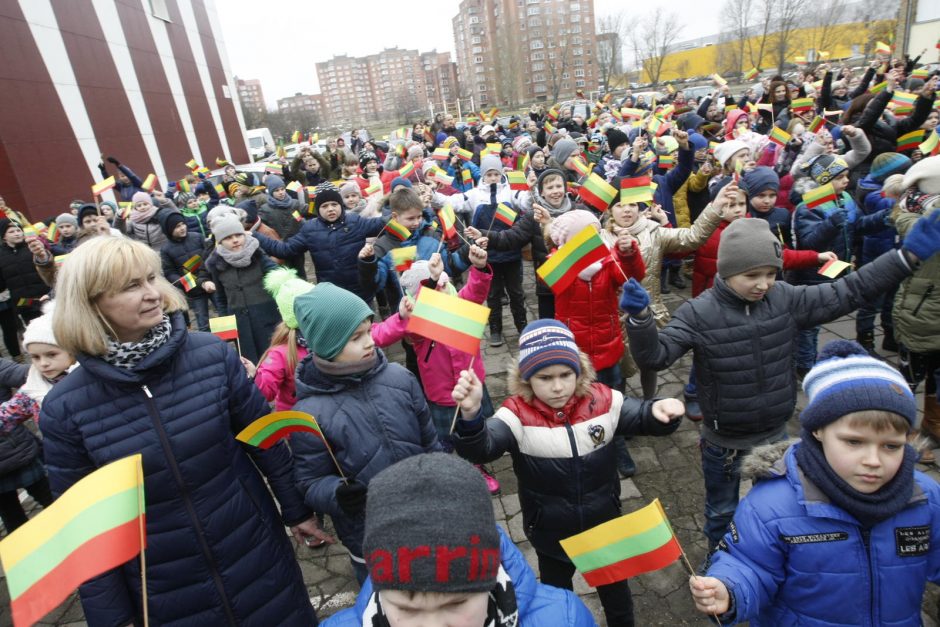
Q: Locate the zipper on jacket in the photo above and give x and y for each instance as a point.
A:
(188, 502)
(923, 299)
(577, 469)
(866, 541)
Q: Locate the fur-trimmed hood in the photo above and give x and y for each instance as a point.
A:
(766, 462)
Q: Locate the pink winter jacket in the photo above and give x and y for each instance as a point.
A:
(439, 365)
(273, 379)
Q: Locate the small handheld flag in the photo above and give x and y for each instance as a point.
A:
(450, 320)
(266, 431)
(296, 215)
(404, 257)
(911, 140)
(441, 154)
(188, 281)
(931, 145)
(225, 327)
(779, 136)
(562, 268)
(833, 268)
(667, 162)
(193, 263)
(150, 183)
(580, 166)
(635, 190)
(719, 80)
(373, 188)
(100, 188)
(751, 74)
(505, 214)
(517, 181)
(192, 164)
(819, 196)
(465, 155)
(802, 104)
(52, 234)
(406, 170)
(295, 137)
(882, 48)
(597, 192)
(817, 123)
(396, 230)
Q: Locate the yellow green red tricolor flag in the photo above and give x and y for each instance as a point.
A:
(751, 74)
(779, 136)
(909, 141)
(667, 162)
(624, 547)
(149, 183)
(450, 320)
(465, 155)
(373, 188)
(880, 87)
(96, 525)
(397, 230)
(100, 188)
(597, 192)
(406, 170)
(192, 264)
(578, 165)
(578, 253)
(403, 257)
(802, 104)
(517, 181)
(192, 164)
(833, 268)
(817, 123)
(882, 48)
(188, 281)
(466, 175)
(931, 145)
(819, 196)
(448, 219)
(224, 327)
(441, 154)
(267, 430)
(52, 234)
(635, 189)
(505, 214)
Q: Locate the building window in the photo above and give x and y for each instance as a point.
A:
(532, 11)
(575, 6)
(536, 44)
(478, 59)
(481, 87)
(579, 83)
(537, 56)
(474, 40)
(579, 73)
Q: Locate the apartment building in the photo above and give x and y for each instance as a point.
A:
(250, 95)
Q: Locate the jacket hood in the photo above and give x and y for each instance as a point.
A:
(311, 380)
(868, 185)
(766, 462)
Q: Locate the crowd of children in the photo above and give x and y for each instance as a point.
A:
(756, 193)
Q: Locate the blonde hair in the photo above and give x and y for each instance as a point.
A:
(282, 335)
(522, 388)
(101, 266)
(893, 186)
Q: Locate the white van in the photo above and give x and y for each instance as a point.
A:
(260, 143)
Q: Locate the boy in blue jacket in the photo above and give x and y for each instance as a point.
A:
(839, 529)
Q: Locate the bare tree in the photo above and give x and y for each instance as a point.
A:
(736, 18)
(652, 38)
(511, 63)
(787, 18)
(826, 32)
(558, 62)
(878, 24)
(610, 36)
(765, 18)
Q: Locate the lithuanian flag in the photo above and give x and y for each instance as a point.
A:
(183, 185)
(403, 257)
(505, 214)
(549, 128)
(465, 155)
(466, 175)
(817, 123)
(751, 74)
(103, 186)
(52, 234)
(625, 547)
(150, 183)
(96, 525)
(192, 164)
(441, 154)
(192, 264)
(450, 320)
(188, 281)
(517, 181)
(373, 188)
(406, 170)
(880, 87)
(718, 80)
(267, 430)
(553, 113)
(579, 166)
(274, 168)
(296, 215)
(909, 141)
(220, 162)
(597, 192)
(441, 176)
(819, 196)
(635, 189)
(802, 104)
(59, 259)
(295, 186)
(295, 137)
(448, 219)
(636, 114)
(882, 48)
(578, 253)
(920, 72)
(667, 162)
(396, 230)
(226, 328)
(931, 145)
(779, 136)
(657, 126)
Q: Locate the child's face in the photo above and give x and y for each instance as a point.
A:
(180, 231)
(764, 201)
(453, 609)
(234, 243)
(553, 190)
(351, 200)
(410, 219)
(735, 209)
(107, 211)
(14, 235)
(554, 385)
(753, 284)
(359, 346)
(864, 458)
(841, 182)
(280, 193)
(371, 167)
(538, 159)
(742, 156)
(492, 176)
(143, 205)
(67, 230)
(49, 359)
(625, 214)
(200, 199)
(330, 211)
(192, 203)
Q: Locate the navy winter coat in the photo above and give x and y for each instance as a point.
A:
(175, 252)
(371, 421)
(334, 247)
(217, 552)
(873, 202)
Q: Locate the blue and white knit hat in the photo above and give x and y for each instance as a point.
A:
(546, 343)
(846, 379)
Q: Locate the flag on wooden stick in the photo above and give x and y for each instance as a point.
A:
(562, 268)
(450, 320)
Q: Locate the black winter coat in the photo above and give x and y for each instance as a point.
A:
(217, 552)
(19, 447)
(18, 274)
(882, 135)
(175, 252)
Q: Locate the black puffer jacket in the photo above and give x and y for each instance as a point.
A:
(19, 447)
(743, 351)
(882, 135)
(19, 275)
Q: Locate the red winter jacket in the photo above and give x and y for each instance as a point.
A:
(589, 308)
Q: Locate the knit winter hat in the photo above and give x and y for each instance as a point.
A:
(563, 150)
(490, 162)
(449, 141)
(725, 150)
(169, 220)
(747, 243)
(540, 182)
(226, 226)
(546, 343)
(328, 316)
(273, 182)
(846, 379)
(924, 175)
(365, 156)
(182, 199)
(66, 218)
(5, 225)
(141, 197)
(350, 188)
(433, 510)
(522, 142)
(325, 193)
(487, 129)
(759, 180)
(39, 331)
(824, 168)
(284, 285)
(415, 151)
(84, 210)
(615, 139)
(570, 223)
(888, 163)
(399, 181)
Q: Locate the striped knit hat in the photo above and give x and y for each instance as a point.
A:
(888, 163)
(546, 343)
(846, 380)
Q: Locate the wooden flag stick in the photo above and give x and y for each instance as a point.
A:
(143, 544)
(333, 457)
(453, 422)
(685, 560)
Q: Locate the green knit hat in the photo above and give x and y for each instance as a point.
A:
(328, 316)
(284, 285)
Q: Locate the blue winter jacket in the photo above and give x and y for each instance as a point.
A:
(793, 558)
(371, 421)
(217, 552)
(334, 248)
(885, 239)
(540, 605)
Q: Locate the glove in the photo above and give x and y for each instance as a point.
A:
(351, 497)
(923, 240)
(114, 161)
(634, 298)
(838, 217)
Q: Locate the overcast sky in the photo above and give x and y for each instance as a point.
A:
(280, 41)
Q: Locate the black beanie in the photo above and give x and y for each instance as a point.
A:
(6, 224)
(169, 222)
(326, 192)
(86, 209)
(615, 138)
(430, 527)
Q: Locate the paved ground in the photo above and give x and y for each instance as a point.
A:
(668, 468)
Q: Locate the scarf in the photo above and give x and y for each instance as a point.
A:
(552, 211)
(638, 227)
(129, 354)
(240, 258)
(345, 369)
(868, 509)
(139, 216)
(501, 608)
(280, 204)
(915, 200)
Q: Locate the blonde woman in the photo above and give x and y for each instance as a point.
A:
(216, 548)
